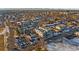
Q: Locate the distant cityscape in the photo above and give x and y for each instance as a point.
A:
(39, 30)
